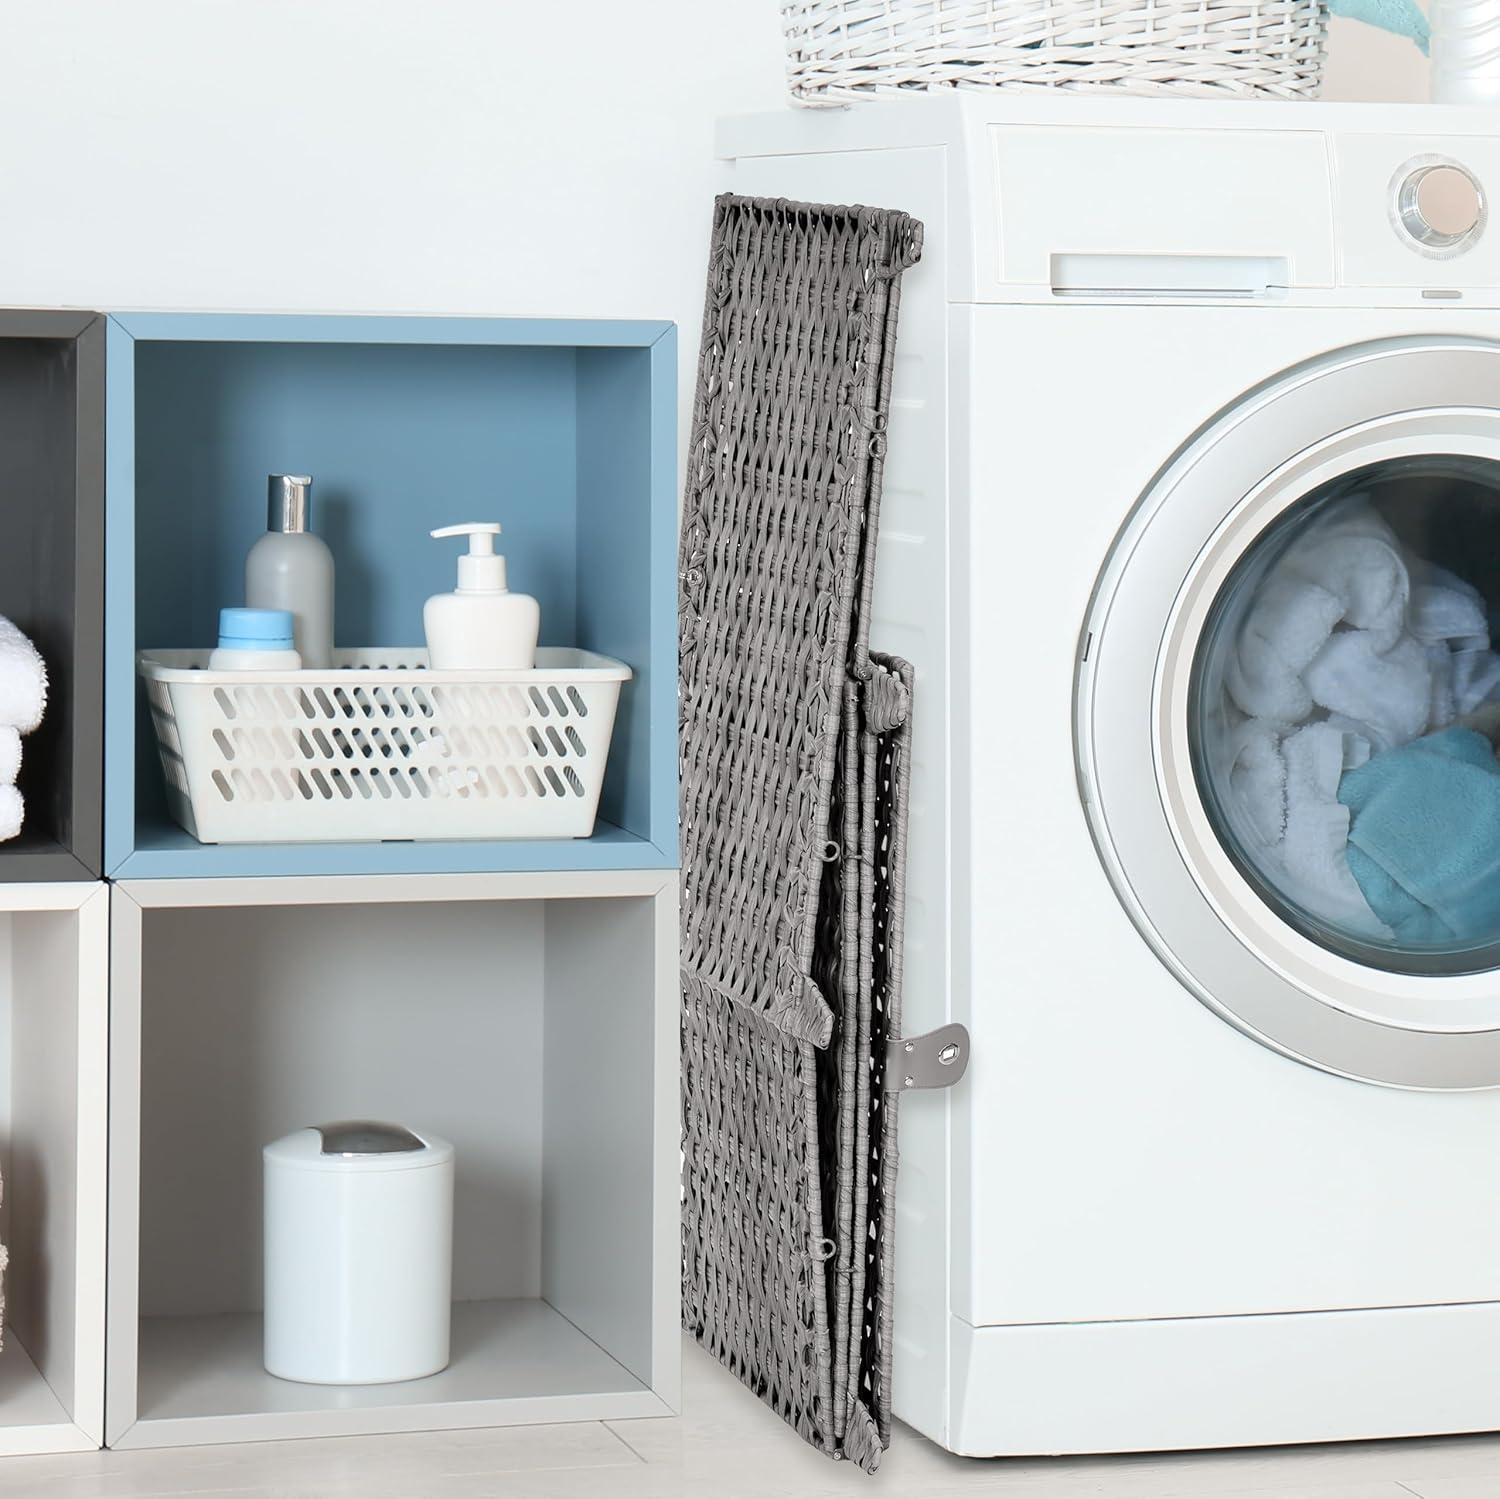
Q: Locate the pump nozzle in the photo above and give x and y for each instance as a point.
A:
(480, 570)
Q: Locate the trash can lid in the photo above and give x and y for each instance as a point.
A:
(358, 1145)
(366, 1137)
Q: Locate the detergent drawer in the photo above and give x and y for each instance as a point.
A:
(1207, 213)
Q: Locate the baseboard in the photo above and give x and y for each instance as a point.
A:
(1245, 1381)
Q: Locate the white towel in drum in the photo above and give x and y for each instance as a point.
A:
(1443, 607)
(23, 680)
(1449, 617)
(1286, 783)
(1345, 573)
(1349, 623)
(1350, 646)
(1314, 849)
(1355, 556)
(1257, 778)
(1288, 624)
(1389, 691)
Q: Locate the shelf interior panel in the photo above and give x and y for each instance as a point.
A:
(26, 1399)
(197, 1367)
(561, 444)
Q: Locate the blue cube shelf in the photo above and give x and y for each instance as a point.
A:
(562, 430)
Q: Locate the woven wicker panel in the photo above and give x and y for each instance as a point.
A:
(793, 387)
(841, 51)
(792, 766)
(753, 1290)
(862, 947)
(789, 1151)
(886, 761)
(843, 1069)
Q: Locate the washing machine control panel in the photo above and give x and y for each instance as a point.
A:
(1411, 213)
(1148, 213)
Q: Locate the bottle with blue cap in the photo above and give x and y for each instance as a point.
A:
(255, 640)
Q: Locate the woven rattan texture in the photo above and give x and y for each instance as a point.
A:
(753, 1288)
(787, 439)
(842, 51)
(887, 759)
(793, 763)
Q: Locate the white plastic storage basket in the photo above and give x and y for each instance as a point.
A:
(381, 747)
(839, 51)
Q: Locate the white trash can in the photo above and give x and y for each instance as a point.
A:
(358, 1253)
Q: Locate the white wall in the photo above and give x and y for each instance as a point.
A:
(476, 156)
(1364, 63)
(472, 156)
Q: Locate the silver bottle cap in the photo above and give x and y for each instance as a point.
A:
(288, 502)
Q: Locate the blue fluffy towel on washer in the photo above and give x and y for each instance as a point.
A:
(1424, 836)
(1402, 17)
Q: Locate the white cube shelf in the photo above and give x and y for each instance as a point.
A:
(531, 1019)
(54, 1057)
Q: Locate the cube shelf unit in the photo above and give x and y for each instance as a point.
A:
(564, 431)
(530, 1019)
(168, 1007)
(52, 578)
(54, 1052)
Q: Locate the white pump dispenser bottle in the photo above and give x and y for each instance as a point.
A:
(482, 625)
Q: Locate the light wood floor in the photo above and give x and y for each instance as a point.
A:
(726, 1446)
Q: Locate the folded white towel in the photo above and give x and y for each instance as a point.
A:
(23, 680)
(12, 812)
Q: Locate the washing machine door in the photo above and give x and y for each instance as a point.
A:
(1288, 706)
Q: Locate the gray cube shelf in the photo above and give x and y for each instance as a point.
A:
(52, 578)
(530, 1019)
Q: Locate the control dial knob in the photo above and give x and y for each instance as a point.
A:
(1440, 206)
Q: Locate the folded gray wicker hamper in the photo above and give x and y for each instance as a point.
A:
(794, 755)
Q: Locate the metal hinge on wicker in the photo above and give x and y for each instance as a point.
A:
(937, 1059)
(795, 748)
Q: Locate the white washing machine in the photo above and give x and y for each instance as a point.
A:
(1226, 1166)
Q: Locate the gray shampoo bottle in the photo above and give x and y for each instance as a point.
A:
(290, 568)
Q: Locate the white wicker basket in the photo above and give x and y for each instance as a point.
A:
(381, 747)
(840, 51)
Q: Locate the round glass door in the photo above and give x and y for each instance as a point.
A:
(1288, 706)
(1344, 712)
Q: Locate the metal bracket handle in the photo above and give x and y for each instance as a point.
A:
(935, 1060)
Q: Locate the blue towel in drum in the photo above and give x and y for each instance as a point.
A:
(1424, 837)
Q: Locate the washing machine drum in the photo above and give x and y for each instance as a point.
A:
(1306, 822)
